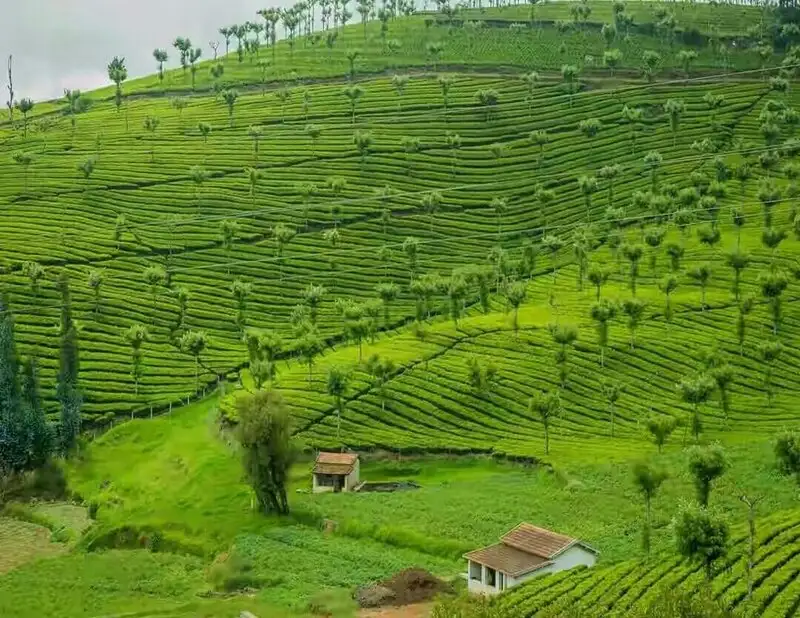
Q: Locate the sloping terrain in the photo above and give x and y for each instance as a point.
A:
(630, 586)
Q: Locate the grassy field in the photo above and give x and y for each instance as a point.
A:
(125, 468)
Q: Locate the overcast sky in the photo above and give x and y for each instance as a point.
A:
(61, 44)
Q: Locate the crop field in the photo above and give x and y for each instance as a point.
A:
(593, 201)
(172, 222)
(629, 586)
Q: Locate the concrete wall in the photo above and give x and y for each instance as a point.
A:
(483, 585)
(350, 481)
(574, 556)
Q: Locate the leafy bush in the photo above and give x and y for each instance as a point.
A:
(231, 572)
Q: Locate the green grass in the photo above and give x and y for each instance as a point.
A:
(117, 583)
(595, 500)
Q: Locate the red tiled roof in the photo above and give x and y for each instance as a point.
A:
(335, 463)
(507, 559)
(537, 541)
(337, 458)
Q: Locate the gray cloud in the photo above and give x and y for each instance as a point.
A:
(61, 44)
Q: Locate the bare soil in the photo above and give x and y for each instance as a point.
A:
(416, 610)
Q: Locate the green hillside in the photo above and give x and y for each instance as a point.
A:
(592, 201)
(172, 223)
(630, 586)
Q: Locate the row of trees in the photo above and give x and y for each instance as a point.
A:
(27, 438)
(701, 533)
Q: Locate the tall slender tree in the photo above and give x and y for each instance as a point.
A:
(647, 480)
(68, 388)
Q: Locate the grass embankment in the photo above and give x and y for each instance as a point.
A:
(210, 506)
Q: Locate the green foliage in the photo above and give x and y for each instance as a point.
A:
(702, 536)
(264, 432)
(647, 481)
(68, 390)
(787, 452)
(706, 465)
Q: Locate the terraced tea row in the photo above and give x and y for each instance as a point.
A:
(175, 222)
(632, 585)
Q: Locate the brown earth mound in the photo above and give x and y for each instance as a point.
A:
(406, 587)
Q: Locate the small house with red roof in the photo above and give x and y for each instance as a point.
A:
(525, 552)
(335, 472)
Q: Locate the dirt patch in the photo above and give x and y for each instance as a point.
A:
(417, 610)
(21, 542)
(411, 586)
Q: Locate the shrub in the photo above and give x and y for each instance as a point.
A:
(232, 572)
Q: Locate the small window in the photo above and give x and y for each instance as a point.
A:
(325, 480)
(491, 577)
(474, 571)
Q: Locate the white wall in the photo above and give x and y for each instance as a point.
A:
(482, 586)
(352, 479)
(574, 556)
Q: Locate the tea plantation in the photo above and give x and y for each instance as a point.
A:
(563, 234)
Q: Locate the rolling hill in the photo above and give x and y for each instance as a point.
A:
(498, 203)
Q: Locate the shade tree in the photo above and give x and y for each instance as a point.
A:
(634, 309)
(546, 406)
(770, 352)
(24, 106)
(229, 98)
(696, 391)
(515, 294)
(194, 343)
(564, 336)
(660, 429)
(633, 253)
(24, 160)
(602, 312)
(675, 108)
(667, 285)
(597, 276)
(264, 432)
(706, 465)
(156, 277)
(135, 336)
(337, 386)
(787, 454)
(701, 536)
(482, 375)
(773, 284)
(647, 480)
(381, 369)
(702, 275)
(117, 73)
